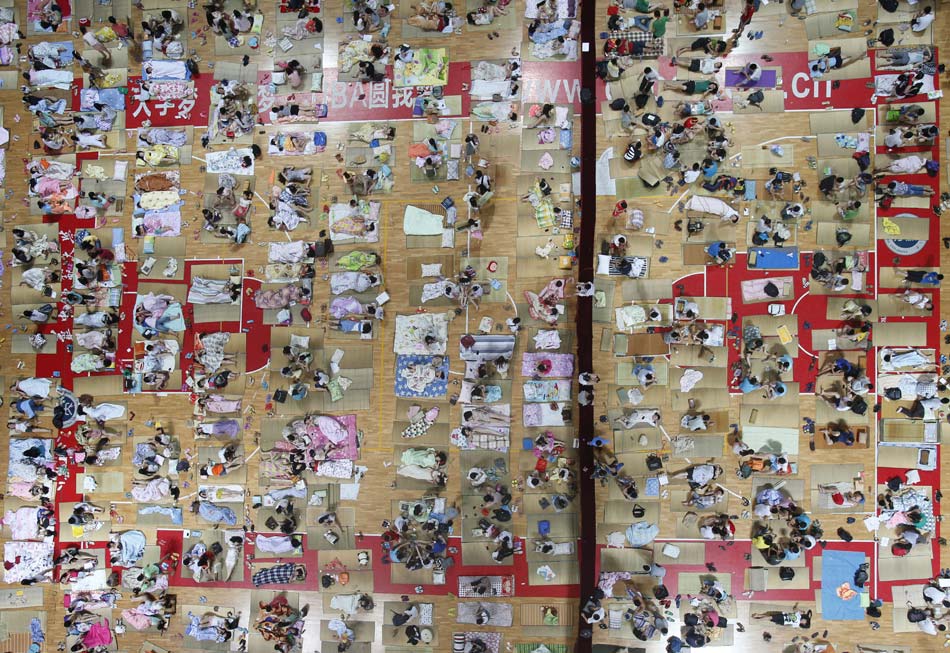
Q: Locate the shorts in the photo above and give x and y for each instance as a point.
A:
(694, 65)
(690, 87)
(778, 619)
(700, 43)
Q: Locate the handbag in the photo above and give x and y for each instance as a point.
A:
(280, 396)
(654, 462)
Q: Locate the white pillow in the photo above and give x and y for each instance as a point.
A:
(301, 342)
(432, 269)
(452, 170)
(465, 394)
(603, 264)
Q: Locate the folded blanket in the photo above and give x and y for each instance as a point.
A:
(419, 222)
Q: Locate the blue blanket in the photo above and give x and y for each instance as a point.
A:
(837, 568)
(774, 258)
(436, 388)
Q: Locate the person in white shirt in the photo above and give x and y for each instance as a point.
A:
(751, 73)
(38, 278)
(934, 594)
(692, 174)
(899, 138)
(90, 39)
(706, 65)
(922, 20)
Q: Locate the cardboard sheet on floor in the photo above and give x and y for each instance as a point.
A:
(890, 305)
(21, 597)
(605, 313)
(860, 234)
(902, 595)
(690, 553)
(793, 487)
(696, 356)
(890, 278)
(839, 473)
(565, 573)
(104, 385)
(774, 440)
(759, 156)
(640, 344)
(560, 161)
(902, 430)
(619, 512)
(713, 377)
(774, 101)
(836, 304)
(645, 289)
(704, 446)
(529, 264)
(705, 399)
(910, 229)
(398, 575)
(829, 340)
(479, 554)
(822, 122)
(929, 115)
(106, 482)
(626, 559)
(363, 631)
(625, 375)
(906, 568)
(913, 201)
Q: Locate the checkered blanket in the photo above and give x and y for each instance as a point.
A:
(651, 47)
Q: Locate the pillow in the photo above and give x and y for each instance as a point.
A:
(278, 78)
(452, 170)
(448, 238)
(301, 342)
(603, 264)
(432, 269)
(465, 394)
(316, 82)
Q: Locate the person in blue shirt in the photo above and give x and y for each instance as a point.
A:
(719, 252)
(775, 390)
(784, 363)
(839, 365)
(922, 277)
(749, 384)
(710, 168)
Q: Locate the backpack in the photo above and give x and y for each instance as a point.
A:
(660, 592)
(859, 406)
(650, 119)
(786, 573)
(894, 394)
(641, 99)
(916, 615)
(886, 37)
(654, 462)
(770, 289)
(618, 104)
(857, 114)
(674, 645)
(755, 98)
(861, 576)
